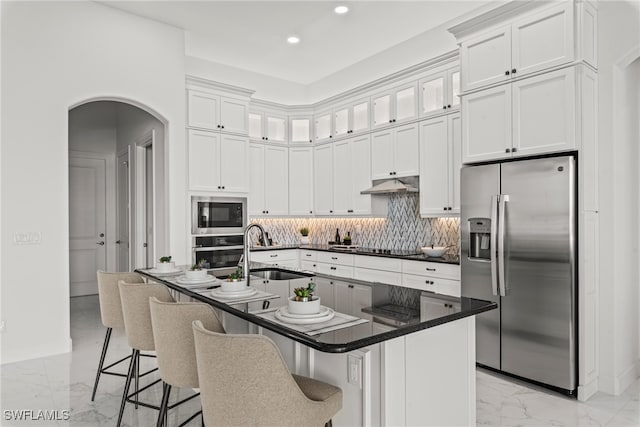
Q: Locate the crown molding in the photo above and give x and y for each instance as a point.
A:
(200, 83)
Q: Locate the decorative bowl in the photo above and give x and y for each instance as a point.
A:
(196, 274)
(304, 307)
(166, 266)
(235, 286)
(435, 251)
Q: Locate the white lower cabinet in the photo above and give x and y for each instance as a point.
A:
(440, 161)
(285, 258)
(269, 179)
(350, 299)
(432, 277)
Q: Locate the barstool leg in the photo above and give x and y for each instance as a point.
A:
(162, 414)
(107, 337)
(127, 385)
(137, 376)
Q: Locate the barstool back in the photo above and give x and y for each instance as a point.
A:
(136, 313)
(109, 295)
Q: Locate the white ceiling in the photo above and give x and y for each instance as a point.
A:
(252, 34)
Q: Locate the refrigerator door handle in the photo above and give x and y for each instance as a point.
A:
(504, 289)
(494, 239)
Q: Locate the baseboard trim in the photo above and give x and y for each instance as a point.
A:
(618, 384)
(587, 390)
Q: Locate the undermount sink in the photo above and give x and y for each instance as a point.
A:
(278, 274)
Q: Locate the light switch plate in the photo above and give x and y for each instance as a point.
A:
(27, 238)
(354, 370)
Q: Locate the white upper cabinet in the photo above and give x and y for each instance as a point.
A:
(300, 181)
(440, 160)
(539, 40)
(440, 92)
(322, 126)
(268, 126)
(215, 112)
(394, 106)
(323, 179)
(351, 174)
(217, 162)
(269, 173)
(351, 118)
(300, 129)
(394, 152)
(535, 115)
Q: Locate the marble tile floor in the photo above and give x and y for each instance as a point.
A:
(64, 382)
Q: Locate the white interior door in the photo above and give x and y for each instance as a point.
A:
(122, 226)
(87, 223)
(149, 220)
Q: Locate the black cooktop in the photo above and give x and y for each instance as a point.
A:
(381, 251)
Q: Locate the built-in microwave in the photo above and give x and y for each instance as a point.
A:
(218, 215)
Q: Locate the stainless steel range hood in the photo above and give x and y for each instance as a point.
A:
(393, 186)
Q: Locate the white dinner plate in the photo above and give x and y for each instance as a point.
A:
(183, 280)
(306, 320)
(165, 272)
(284, 311)
(219, 293)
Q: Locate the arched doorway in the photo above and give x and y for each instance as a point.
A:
(117, 189)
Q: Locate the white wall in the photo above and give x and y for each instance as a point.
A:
(618, 38)
(56, 55)
(92, 128)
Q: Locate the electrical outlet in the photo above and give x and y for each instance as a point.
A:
(354, 370)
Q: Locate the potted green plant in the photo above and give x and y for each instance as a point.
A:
(304, 231)
(303, 301)
(235, 282)
(166, 264)
(197, 271)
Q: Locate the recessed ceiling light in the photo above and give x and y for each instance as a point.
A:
(293, 39)
(341, 10)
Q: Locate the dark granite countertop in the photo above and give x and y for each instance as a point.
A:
(446, 259)
(385, 304)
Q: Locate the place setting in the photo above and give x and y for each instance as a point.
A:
(235, 287)
(165, 267)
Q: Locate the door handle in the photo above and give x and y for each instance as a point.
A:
(494, 240)
(100, 243)
(118, 242)
(504, 289)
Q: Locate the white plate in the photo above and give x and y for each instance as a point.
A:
(284, 311)
(183, 280)
(219, 293)
(165, 272)
(305, 320)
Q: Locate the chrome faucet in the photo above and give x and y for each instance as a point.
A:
(245, 253)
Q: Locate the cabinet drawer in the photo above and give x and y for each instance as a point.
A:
(335, 270)
(336, 258)
(273, 256)
(419, 282)
(308, 255)
(447, 287)
(380, 276)
(308, 265)
(379, 263)
(424, 268)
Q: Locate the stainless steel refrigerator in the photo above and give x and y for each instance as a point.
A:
(518, 248)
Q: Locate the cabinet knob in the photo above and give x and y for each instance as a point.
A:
(445, 208)
(273, 256)
(506, 73)
(513, 71)
(330, 136)
(444, 107)
(351, 286)
(311, 212)
(223, 187)
(507, 150)
(222, 126)
(330, 211)
(448, 105)
(266, 138)
(218, 126)
(394, 120)
(350, 211)
(310, 140)
(431, 269)
(390, 121)
(514, 149)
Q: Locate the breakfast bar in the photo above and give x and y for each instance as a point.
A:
(401, 356)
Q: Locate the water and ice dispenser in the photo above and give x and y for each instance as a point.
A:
(480, 238)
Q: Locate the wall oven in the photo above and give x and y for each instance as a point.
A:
(218, 252)
(218, 215)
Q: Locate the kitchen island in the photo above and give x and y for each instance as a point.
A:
(401, 356)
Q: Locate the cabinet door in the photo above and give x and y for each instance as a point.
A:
(405, 104)
(360, 116)
(486, 121)
(276, 128)
(234, 115)
(300, 129)
(544, 113)
(407, 160)
(204, 149)
(342, 182)
(234, 157)
(432, 94)
(255, 126)
(434, 167)
(276, 180)
(301, 180)
(324, 289)
(486, 59)
(256, 179)
(360, 174)
(382, 154)
(361, 298)
(453, 88)
(323, 179)
(323, 126)
(455, 161)
(204, 110)
(543, 40)
(381, 110)
(341, 122)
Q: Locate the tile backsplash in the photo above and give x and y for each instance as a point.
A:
(402, 229)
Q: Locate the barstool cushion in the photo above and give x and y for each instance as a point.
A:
(320, 391)
(137, 314)
(109, 296)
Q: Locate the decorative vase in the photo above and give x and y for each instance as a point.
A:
(196, 274)
(234, 286)
(166, 266)
(304, 240)
(304, 307)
